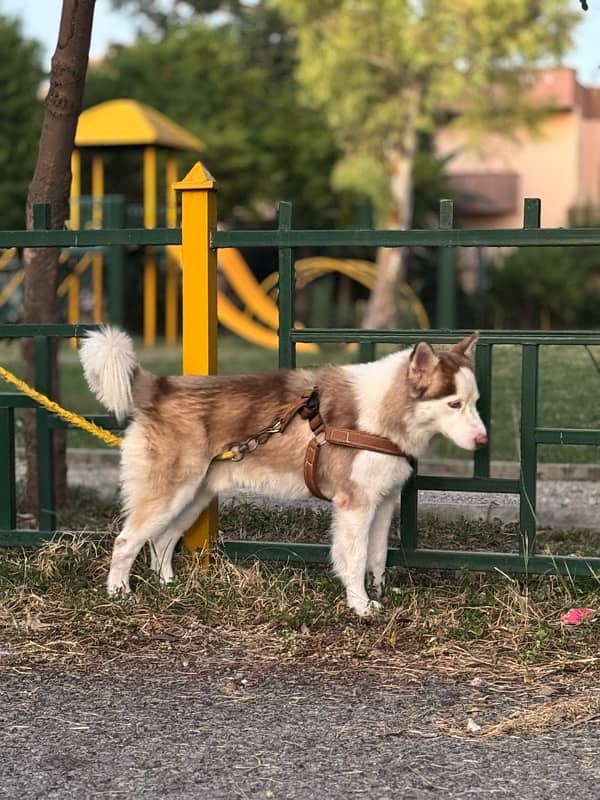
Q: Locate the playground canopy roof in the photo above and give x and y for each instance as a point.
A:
(127, 123)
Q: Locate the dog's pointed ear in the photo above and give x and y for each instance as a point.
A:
(421, 363)
(466, 347)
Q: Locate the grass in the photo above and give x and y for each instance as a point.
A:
(569, 384)
(453, 609)
(53, 611)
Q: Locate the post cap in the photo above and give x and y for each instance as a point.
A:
(197, 178)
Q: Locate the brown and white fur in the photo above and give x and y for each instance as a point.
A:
(180, 424)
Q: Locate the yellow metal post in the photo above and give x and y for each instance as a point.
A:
(172, 266)
(75, 205)
(73, 301)
(73, 305)
(199, 273)
(171, 196)
(150, 260)
(97, 260)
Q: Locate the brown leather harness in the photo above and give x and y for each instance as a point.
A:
(344, 437)
(308, 408)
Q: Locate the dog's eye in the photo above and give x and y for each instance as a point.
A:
(455, 404)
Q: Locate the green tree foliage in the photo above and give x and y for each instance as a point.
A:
(20, 77)
(384, 70)
(235, 89)
(165, 14)
(269, 43)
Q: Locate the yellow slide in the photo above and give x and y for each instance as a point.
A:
(241, 279)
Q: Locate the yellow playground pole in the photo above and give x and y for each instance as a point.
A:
(97, 260)
(75, 208)
(75, 225)
(199, 276)
(150, 256)
(172, 267)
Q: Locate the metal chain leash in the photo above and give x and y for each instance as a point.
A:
(236, 451)
(308, 406)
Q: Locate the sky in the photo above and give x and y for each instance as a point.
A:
(41, 18)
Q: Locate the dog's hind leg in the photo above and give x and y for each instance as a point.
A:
(350, 532)
(146, 521)
(163, 545)
(378, 543)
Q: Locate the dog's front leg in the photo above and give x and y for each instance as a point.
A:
(350, 533)
(378, 543)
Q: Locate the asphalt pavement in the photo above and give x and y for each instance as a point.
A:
(138, 731)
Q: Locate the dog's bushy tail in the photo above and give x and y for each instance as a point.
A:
(109, 365)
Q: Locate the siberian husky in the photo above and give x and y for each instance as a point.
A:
(183, 427)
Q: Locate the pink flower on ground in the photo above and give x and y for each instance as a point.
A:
(576, 615)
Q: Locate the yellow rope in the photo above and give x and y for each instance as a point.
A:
(75, 419)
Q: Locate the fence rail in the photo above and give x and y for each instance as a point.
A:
(199, 238)
(501, 237)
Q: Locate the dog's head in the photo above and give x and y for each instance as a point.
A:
(445, 392)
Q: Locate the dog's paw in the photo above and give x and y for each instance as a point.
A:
(114, 589)
(374, 608)
(367, 610)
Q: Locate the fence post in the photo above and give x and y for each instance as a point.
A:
(44, 433)
(483, 371)
(446, 277)
(44, 438)
(528, 479)
(366, 350)
(8, 488)
(287, 291)
(115, 218)
(199, 304)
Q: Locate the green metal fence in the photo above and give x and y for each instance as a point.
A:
(46, 422)
(445, 238)
(285, 239)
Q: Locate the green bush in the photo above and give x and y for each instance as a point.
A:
(545, 287)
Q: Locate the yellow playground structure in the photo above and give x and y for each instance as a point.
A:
(128, 124)
(125, 123)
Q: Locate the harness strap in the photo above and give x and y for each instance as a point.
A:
(299, 406)
(311, 459)
(362, 441)
(343, 437)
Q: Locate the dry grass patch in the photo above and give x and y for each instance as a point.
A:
(54, 611)
(564, 713)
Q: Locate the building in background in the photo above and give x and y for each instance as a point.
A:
(559, 163)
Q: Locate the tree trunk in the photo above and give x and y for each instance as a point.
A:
(381, 309)
(51, 184)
